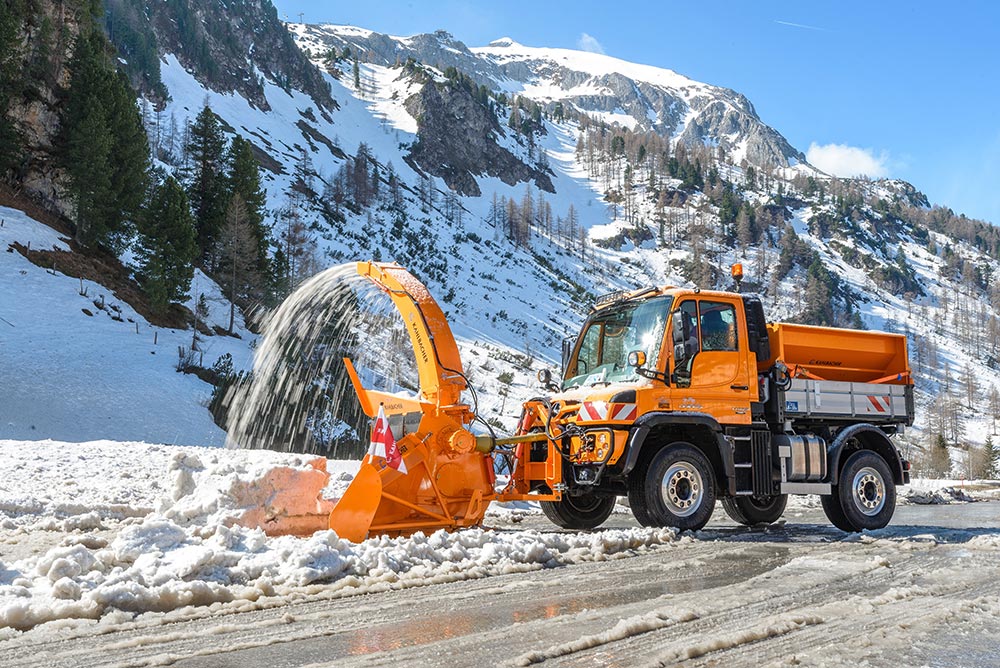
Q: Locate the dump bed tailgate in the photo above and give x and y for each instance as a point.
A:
(866, 402)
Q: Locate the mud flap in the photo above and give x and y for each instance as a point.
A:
(352, 516)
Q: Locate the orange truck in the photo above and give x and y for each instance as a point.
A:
(672, 397)
(676, 398)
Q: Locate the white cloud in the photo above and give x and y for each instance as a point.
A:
(843, 160)
(589, 43)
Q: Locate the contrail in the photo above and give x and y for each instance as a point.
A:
(801, 25)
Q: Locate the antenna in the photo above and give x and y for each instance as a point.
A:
(301, 14)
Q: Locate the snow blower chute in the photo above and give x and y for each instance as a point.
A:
(448, 481)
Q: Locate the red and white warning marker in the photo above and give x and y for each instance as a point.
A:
(384, 445)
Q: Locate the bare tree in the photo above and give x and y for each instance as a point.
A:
(237, 252)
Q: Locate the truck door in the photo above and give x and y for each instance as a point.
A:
(710, 370)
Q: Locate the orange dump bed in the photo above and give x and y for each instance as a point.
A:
(827, 353)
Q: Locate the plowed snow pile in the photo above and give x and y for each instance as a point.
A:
(94, 528)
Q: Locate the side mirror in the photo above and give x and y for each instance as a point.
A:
(637, 359)
(567, 352)
(545, 378)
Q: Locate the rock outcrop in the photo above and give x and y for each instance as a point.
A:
(457, 141)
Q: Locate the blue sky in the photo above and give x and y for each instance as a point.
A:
(900, 89)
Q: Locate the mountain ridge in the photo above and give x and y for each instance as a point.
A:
(647, 96)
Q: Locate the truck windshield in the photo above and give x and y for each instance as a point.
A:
(608, 337)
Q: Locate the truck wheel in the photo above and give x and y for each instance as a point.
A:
(833, 511)
(865, 496)
(753, 510)
(637, 493)
(588, 511)
(679, 488)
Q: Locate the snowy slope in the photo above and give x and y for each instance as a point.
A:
(75, 377)
(509, 306)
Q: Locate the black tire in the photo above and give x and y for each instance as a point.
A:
(679, 488)
(753, 510)
(584, 512)
(865, 496)
(637, 494)
(833, 511)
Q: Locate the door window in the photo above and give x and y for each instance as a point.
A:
(718, 326)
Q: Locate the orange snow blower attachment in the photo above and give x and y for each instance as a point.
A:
(448, 483)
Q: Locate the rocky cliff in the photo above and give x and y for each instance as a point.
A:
(458, 141)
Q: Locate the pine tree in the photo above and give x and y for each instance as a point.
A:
(104, 147)
(207, 187)
(167, 245)
(245, 183)
(88, 142)
(989, 470)
(129, 154)
(10, 137)
(940, 460)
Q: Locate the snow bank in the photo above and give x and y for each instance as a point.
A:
(149, 528)
(159, 565)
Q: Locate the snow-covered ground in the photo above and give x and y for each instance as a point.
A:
(106, 529)
(124, 553)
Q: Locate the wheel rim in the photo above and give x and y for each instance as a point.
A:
(682, 489)
(868, 491)
(761, 502)
(585, 504)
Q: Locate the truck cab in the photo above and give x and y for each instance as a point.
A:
(678, 397)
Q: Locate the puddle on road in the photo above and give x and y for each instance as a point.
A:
(543, 605)
(485, 614)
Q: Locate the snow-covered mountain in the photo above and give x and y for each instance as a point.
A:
(427, 152)
(606, 88)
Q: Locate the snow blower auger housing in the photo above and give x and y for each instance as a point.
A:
(448, 482)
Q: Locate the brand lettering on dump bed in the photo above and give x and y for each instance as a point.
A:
(824, 363)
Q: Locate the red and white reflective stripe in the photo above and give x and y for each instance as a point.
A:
(625, 412)
(596, 411)
(593, 411)
(876, 402)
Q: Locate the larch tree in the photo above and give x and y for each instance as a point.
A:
(245, 183)
(238, 255)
